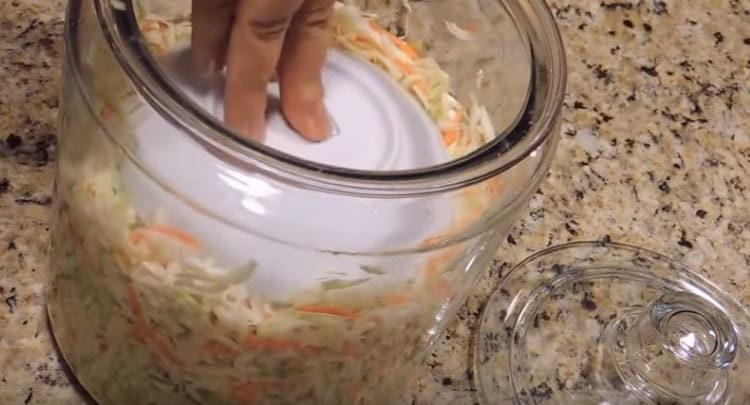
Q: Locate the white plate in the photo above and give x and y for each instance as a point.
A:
(380, 127)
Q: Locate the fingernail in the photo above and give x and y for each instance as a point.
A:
(319, 123)
(252, 129)
(335, 130)
(209, 69)
(256, 130)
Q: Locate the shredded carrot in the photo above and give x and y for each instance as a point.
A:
(450, 137)
(246, 392)
(377, 27)
(443, 288)
(400, 43)
(472, 28)
(140, 331)
(276, 345)
(165, 230)
(458, 119)
(404, 67)
(107, 112)
(404, 46)
(420, 86)
(152, 25)
(367, 41)
(244, 395)
(157, 49)
(459, 226)
(149, 25)
(81, 242)
(433, 268)
(145, 334)
(433, 265)
(219, 350)
(399, 298)
(495, 188)
(90, 189)
(329, 310)
(349, 350)
(162, 347)
(432, 240)
(125, 258)
(137, 236)
(135, 304)
(362, 39)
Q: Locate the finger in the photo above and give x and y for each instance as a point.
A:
(300, 68)
(254, 49)
(212, 23)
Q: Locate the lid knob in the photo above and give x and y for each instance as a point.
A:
(677, 349)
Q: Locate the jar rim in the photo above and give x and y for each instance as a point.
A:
(536, 124)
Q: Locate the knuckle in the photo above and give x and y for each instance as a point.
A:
(268, 29)
(319, 13)
(318, 20)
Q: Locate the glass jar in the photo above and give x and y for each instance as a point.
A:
(203, 267)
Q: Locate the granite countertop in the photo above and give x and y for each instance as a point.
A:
(655, 151)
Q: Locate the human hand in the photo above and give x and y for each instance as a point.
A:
(258, 40)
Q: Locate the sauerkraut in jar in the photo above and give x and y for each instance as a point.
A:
(190, 266)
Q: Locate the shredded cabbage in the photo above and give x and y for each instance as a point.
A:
(173, 326)
(463, 129)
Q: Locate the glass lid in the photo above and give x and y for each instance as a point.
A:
(604, 323)
(410, 88)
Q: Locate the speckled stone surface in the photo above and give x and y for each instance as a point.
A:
(655, 151)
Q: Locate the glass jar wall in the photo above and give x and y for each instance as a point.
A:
(191, 266)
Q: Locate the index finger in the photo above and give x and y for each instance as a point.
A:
(255, 46)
